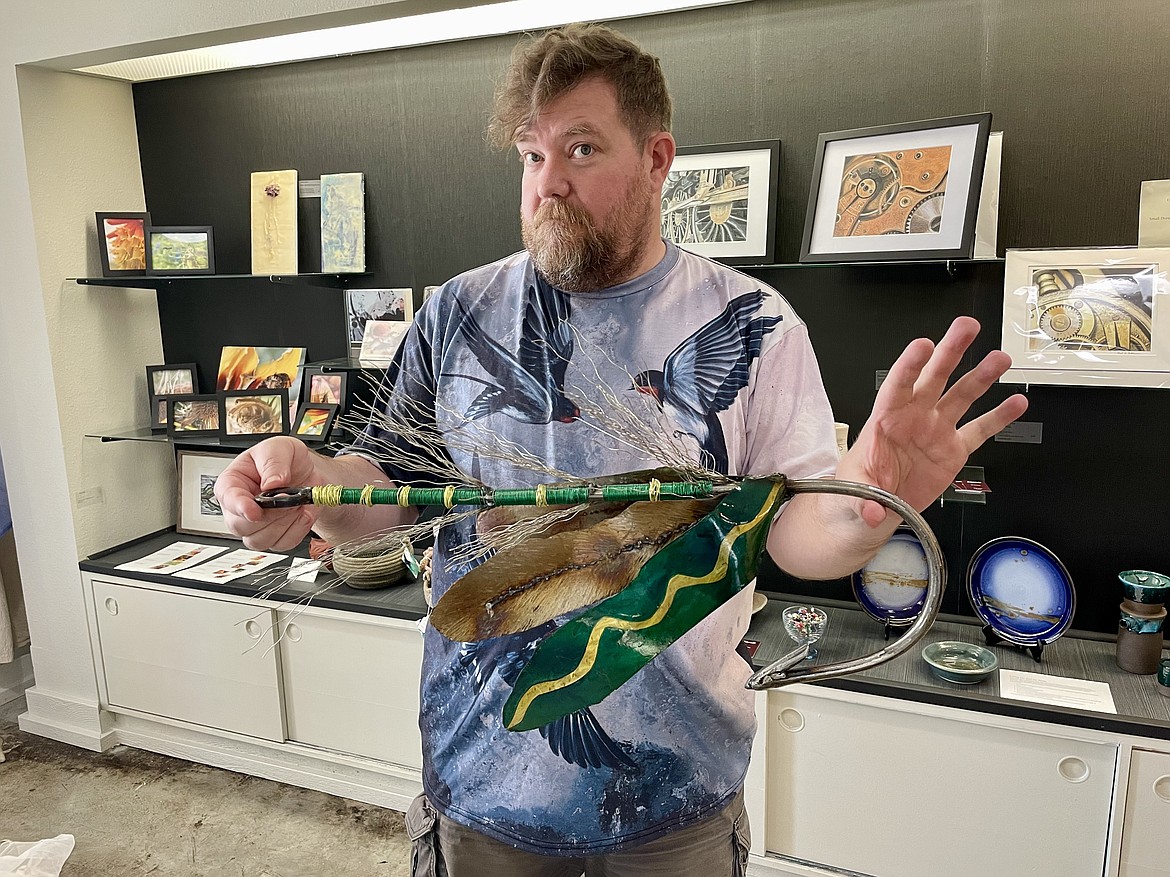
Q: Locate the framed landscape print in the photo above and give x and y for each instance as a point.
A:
(253, 413)
(906, 191)
(720, 201)
(1088, 317)
(180, 249)
(198, 512)
(314, 422)
(194, 416)
(122, 243)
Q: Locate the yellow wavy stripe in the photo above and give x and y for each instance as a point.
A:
(675, 584)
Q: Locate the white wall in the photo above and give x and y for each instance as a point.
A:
(76, 355)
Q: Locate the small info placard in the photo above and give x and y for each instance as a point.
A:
(1078, 694)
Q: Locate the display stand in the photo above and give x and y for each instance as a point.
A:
(991, 638)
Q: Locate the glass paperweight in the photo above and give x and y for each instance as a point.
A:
(805, 624)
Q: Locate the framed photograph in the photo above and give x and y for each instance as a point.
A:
(180, 249)
(314, 421)
(324, 388)
(198, 512)
(179, 379)
(194, 416)
(257, 414)
(364, 305)
(1088, 317)
(122, 243)
(381, 341)
(159, 406)
(720, 201)
(908, 191)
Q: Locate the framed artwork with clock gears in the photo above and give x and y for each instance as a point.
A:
(897, 192)
(1088, 317)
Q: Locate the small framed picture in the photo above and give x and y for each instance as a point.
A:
(1088, 317)
(720, 201)
(158, 413)
(381, 341)
(198, 512)
(194, 416)
(324, 388)
(180, 249)
(428, 291)
(364, 305)
(122, 243)
(253, 413)
(314, 421)
(893, 192)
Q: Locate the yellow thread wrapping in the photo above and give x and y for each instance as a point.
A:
(327, 495)
(367, 495)
(449, 495)
(404, 495)
(542, 494)
(655, 489)
(676, 583)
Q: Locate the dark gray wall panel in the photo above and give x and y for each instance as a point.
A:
(1075, 86)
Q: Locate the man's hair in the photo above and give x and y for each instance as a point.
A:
(546, 66)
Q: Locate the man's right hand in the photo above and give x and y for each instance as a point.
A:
(276, 462)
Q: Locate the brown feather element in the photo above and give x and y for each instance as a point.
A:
(541, 578)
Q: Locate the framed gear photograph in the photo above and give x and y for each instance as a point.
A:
(897, 192)
(719, 201)
(1087, 317)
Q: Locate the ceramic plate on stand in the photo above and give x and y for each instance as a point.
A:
(892, 586)
(759, 601)
(1021, 591)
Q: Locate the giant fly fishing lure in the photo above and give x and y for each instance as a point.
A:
(684, 565)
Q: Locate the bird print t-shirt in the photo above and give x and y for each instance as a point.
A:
(525, 383)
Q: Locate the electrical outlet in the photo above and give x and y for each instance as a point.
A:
(89, 496)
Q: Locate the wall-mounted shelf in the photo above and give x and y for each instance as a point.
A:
(210, 443)
(951, 265)
(325, 281)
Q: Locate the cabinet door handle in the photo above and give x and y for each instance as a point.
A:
(1073, 769)
(253, 630)
(292, 632)
(1161, 788)
(111, 605)
(791, 719)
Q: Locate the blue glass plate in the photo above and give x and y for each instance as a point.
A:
(892, 586)
(1021, 590)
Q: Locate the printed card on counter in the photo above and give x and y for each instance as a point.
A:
(233, 565)
(1079, 694)
(176, 556)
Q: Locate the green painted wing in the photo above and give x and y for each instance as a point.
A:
(591, 655)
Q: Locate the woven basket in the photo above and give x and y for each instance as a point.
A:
(370, 566)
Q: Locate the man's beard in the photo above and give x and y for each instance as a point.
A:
(573, 254)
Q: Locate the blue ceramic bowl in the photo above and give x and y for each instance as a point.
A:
(1143, 586)
(962, 663)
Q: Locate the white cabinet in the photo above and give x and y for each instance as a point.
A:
(889, 792)
(352, 684)
(208, 661)
(1145, 833)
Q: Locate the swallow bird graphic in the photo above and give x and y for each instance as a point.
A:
(528, 386)
(578, 738)
(703, 375)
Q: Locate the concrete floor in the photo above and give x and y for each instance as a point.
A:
(137, 813)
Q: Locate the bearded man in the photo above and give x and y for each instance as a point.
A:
(650, 780)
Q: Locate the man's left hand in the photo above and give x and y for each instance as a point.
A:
(912, 444)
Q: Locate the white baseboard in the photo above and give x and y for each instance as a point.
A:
(357, 778)
(78, 723)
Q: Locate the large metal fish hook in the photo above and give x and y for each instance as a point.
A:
(788, 669)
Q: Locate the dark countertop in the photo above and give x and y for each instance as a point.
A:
(1141, 710)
